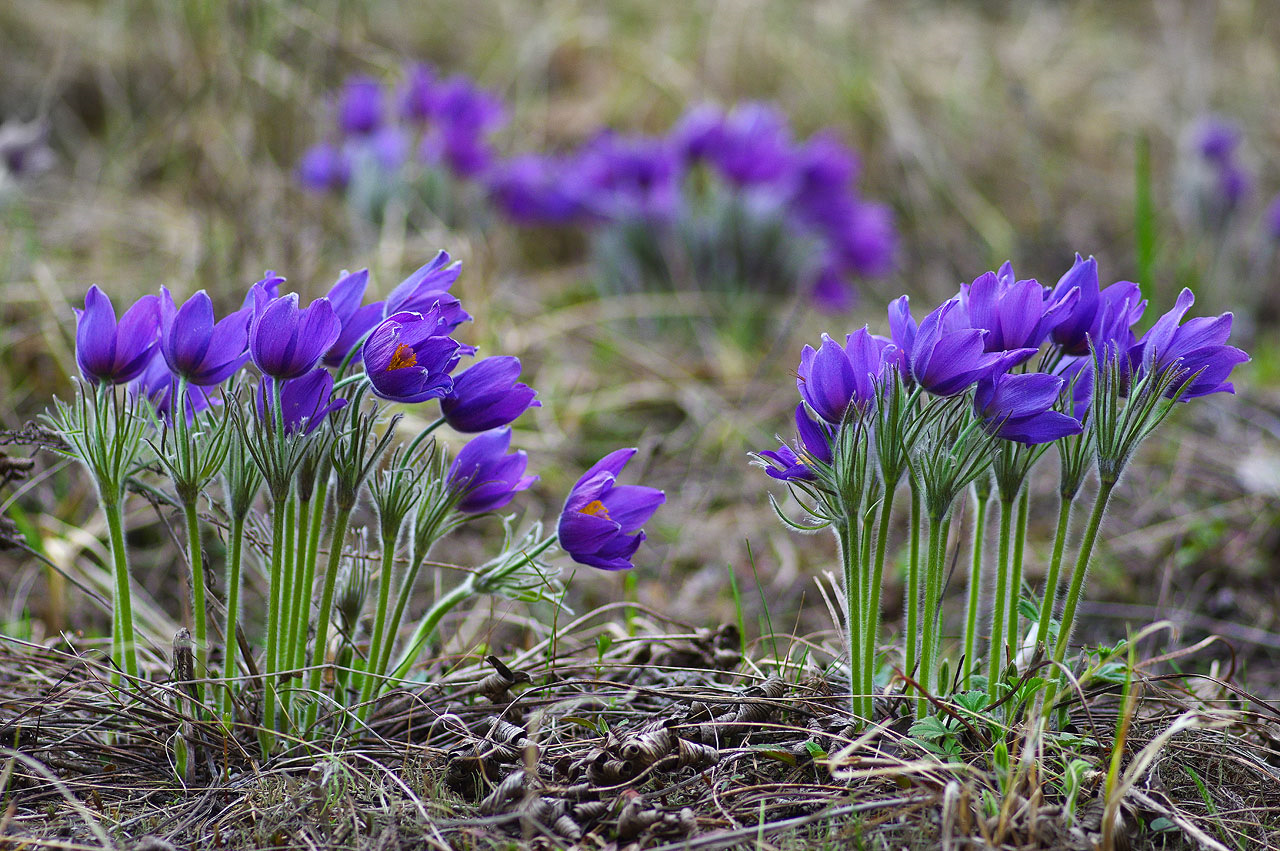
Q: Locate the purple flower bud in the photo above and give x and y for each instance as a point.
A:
(485, 476)
(287, 342)
(113, 352)
(601, 520)
(1020, 408)
(197, 349)
(360, 105)
(836, 380)
(408, 357)
(486, 396)
(304, 401)
(324, 168)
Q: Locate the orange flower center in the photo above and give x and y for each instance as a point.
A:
(596, 509)
(402, 357)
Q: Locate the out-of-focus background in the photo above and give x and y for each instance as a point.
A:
(168, 135)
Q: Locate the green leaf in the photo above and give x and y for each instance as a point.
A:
(1163, 825)
(928, 729)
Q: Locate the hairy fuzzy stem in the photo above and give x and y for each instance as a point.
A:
(235, 554)
(910, 635)
(338, 536)
(1055, 570)
(372, 674)
(982, 499)
(995, 652)
(122, 619)
(873, 601)
(302, 613)
(848, 540)
(932, 594)
(195, 555)
(1081, 568)
(1013, 635)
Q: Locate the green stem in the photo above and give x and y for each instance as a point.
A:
(273, 628)
(113, 508)
(372, 674)
(428, 625)
(306, 586)
(337, 537)
(911, 634)
(195, 556)
(1055, 569)
(995, 651)
(933, 590)
(397, 614)
(1013, 635)
(288, 581)
(236, 535)
(1081, 568)
(847, 539)
(299, 611)
(982, 499)
(872, 632)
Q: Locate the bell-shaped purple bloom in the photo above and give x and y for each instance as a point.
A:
(158, 386)
(601, 520)
(814, 443)
(485, 476)
(1020, 408)
(1101, 317)
(753, 145)
(286, 341)
(947, 357)
(304, 401)
(409, 355)
(113, 352)
(1016, 314)
(487, 395)
(360, 109)
(1199, 348)
(195, 347)
(358, 319)
(836, 380)
(428, 287)
(418, 94)
(324, 168)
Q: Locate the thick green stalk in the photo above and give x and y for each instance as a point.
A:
(847, 538)
(428, 625)
(933, 592)
(122, 618)
(270, 663)
(1013, 635)
(337, 537)
(982, 499)
(397, 614)
(872, 631)
(911, 634)
(1081, 568)
(236, 535)
(195, 556)
(995, 651)
(372, 674)
(1055, 569)
(306, 585)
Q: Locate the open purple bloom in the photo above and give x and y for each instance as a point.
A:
(1016, 314)
(814, 443)
(286, 341)
(1199, 348)
(485, 476)
(158, 386)
(835, 380)
(601, 520)
(195, 347)
(113, 352)
(1020, 408)
(486, 396)
(324, 168)
(360, 105)
(428, 287)
(357, 318)
(408, 357)
(304, 401)
(947, 357)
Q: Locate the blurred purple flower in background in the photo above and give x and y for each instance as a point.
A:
(360, 105)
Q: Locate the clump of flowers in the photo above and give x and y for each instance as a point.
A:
(969, 399)
(288, 407)
(728, 202)
(421, 140)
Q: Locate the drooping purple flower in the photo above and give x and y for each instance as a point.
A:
(1021, 408)
(409, 355)
(418, 93)
(360, 108)
(324, 168)
(111, 352)
(1199, 348)
(485, 476)
(532, 189)
(837, 380)
(814, 443)
(753, 145)
(195, 347)
(601, 520)
(286, 341)
(357, 319)
(428, 287)
(948, 357)
(487, 395)
(158, 386)
(630, 177)
(1016, 314)
(304, 401)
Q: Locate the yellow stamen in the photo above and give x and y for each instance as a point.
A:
(402, 357)
(596, 509)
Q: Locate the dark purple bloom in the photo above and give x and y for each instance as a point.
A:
(360, 105)
(285, 341)
(1101, 316)
(408, 357)
(485, 476)
(197, 349)
(532, 189)
(357, 319)
(304, 401)
(630, 177)
(947, 357)
(835, 380)
(1016, 314)
(1271, 219)
(418, 93)
(1217, 138)
(863, 237)
(323, 168)
(114, 352)
(1021, 408)
(1198, 348)
(831, 293)
(486, 396)
(814, 445)
(699, 132)
(158, 386)
(752, 146)
(601, 520)
(429, 287)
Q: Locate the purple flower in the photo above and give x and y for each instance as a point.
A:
(429, 287)
(752, 146)
(285, 341)
(114, 352)
(418, 93)
(902, 332)
(408, 357)
(836, 380)
(304, 401)
(814, 443)
(601, 520)
(486, 396)
(357, 319)
(485, 476)
(323, 168)
(360, 105)
(464, 115)
(1198, 348)
(1016, 314)
(831, 293)
(947, 357)
(630, 177)
(823, 168)
(533, 189)
(158, 386)
(1104, 317)
(863, 237)
(197, 349)
(1271, 219)
(1020, 408)
(1217, 138)
(699, 132)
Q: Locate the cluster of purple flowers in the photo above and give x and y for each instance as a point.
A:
(441, 123)
(710, 185)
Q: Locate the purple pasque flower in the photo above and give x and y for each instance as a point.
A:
(409, 355)
(532, 189)
(115, 352)
(948, 357)
(862, 235)
(286, 341)
(832, 292)
(158, 386)
(1101, 317)
(823, 170)
(699, 132)
(357, 319)
(428, 287)
(630, 177)
(486, 396)
(1016, 314)
(902, 333)
(752, 146)
(197, 349)
(1020, 407)
(1216, 138)
(1199, 348)
(324, 167)
(485, 476)
(601, 520)
(463, 115)
(418, 93)
(814, 445)
(304, 401)
(836, 380)
(360, 110)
